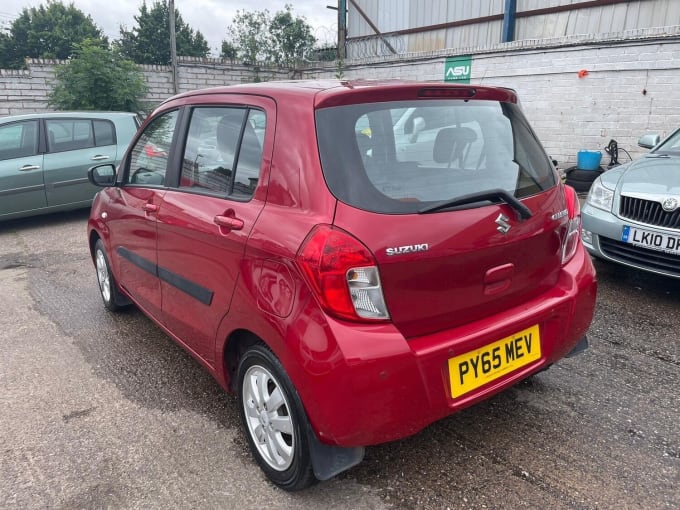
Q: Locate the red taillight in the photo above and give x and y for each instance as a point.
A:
(573, 237)
(343, 274)
(573, 204)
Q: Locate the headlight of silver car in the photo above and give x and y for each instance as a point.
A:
(600, 196)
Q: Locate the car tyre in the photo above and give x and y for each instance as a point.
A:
(274, 419)
(581, 180)
(108, 288)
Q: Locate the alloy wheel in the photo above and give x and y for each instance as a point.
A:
(268, 417)
(103, 276)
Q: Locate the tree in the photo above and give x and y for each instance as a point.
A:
(249, 36)
(292, 37)
(50, 31)
(149, 41)
(228, 50)
(98, 78)
(256, 36)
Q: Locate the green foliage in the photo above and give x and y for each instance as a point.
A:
(98, 78)
(340, 69)
(292, 37)
(256, 36)
(249, 36)
(149, 41)
(50, 31)
(228, 50)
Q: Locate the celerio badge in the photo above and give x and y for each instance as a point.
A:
(559, 215)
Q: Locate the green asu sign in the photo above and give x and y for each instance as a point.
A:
(458, 69)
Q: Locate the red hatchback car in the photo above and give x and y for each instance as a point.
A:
(354, 259)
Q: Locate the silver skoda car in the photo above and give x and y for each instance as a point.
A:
(632, 213)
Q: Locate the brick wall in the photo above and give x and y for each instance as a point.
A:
(632, 86)
(26, 91)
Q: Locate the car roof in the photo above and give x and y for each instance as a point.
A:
(327, 92)
(66, 115)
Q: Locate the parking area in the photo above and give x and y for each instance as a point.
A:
(106, 411)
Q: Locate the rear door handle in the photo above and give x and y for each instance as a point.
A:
(150, 208)
(99, 157)
(228, 222)
(26, 168)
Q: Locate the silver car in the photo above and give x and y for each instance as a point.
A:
(632, 213)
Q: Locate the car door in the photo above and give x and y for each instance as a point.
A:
(73, 146)
(204, 222)
(133, 212)
(22, 187)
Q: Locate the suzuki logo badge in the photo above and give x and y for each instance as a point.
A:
(670, 204)
(502, 222)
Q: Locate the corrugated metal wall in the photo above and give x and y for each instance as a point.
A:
(396, 15)
(595, 20)
(391, 16)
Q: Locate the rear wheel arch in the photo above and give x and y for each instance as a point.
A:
(236, 344)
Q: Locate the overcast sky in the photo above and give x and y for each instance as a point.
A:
(211, 17)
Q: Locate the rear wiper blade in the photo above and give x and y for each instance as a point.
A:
(494, 196)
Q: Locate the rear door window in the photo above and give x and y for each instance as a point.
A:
(402, 156)
(74, 134)
(223, 151)
(69, 134)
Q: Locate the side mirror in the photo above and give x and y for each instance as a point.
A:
(102, 175)
(649, 140)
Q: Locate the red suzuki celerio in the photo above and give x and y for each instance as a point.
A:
(354, 259)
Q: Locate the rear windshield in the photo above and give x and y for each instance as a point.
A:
(399, 157)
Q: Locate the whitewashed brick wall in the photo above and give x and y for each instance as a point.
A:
(22, 91)
(27, 91)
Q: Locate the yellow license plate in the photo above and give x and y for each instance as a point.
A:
(473, 369)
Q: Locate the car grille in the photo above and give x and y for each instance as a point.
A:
(649, 212)
(640, 257)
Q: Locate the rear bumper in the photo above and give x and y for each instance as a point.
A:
(369, 385)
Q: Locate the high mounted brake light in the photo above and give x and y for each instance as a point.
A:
(446, 92)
